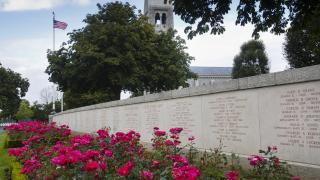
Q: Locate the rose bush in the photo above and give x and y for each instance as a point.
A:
(51, 152)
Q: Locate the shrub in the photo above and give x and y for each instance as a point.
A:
(49, 152)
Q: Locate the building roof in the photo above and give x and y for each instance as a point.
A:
(218, 71)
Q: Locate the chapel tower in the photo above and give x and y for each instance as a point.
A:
(160, 14)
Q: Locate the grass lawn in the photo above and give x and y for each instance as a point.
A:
(7, 162)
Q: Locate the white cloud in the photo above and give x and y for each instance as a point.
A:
(20, 5)
(27, 57)
(219, 50)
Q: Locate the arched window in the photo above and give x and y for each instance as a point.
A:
(164, 18)
(165, 1)
(157, 19)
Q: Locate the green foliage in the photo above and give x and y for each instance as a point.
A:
(265, 15)
(42, 111)
(251, 61)
(116, 51)
(24, 111)
(302, 45)
(12, 88)
(269, 166)
(213, 164)
(14, 144)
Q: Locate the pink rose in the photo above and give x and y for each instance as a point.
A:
(102, 133)
(108, 153)
(59, 160)
(255, 160)
(92, 165)
(176, 130)
(160, 133)
(169, 143)
(232, 175)
(191, 138)
(155, 163)
(102, 166)
(146, 175)
(16, 151)
(125, 169)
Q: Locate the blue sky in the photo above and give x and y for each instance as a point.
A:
(26, 34)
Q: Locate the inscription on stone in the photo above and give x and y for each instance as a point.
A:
(152, 113)
(299, 118)
(104, 122)
(130, 120)
(227, 118)
(181, 116)
(116, 120)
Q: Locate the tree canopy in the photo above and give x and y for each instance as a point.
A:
(251, 61)
(42, 111)
(208, 15)
(117, 50)
(24, 111)
(12, 88)
(302, 43)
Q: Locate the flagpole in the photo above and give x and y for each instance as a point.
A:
(54, 33)
(53, 49)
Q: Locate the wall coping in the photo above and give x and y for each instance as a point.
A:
(306, 74)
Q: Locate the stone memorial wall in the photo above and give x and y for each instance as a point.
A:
(247, 114)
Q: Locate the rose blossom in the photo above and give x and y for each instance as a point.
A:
(30, 165)
(179, 159)
(108, 153)
(102, 166)
(91, 154)
(185, 172)
(16, 151)
(160, 133)
(176, 142)
(169, 143)
(146, 175)
(81, 140)
(125, 169)
(59, 160)
(155, 163)
(232, 175)
(176, 130)
(91, 165)
(102, 133)
(191, 138)
(255, 160)
(74, 156)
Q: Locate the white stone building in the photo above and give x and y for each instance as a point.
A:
(209, 75)
(160, 14)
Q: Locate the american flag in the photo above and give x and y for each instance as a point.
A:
(59, 24)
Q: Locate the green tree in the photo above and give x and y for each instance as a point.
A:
(42, 111)
(265, 15)
(24, 111)
(302, 43)
(117, 50)
(251, 61)
(12, 88)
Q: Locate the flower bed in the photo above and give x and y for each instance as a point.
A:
(50, 152)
